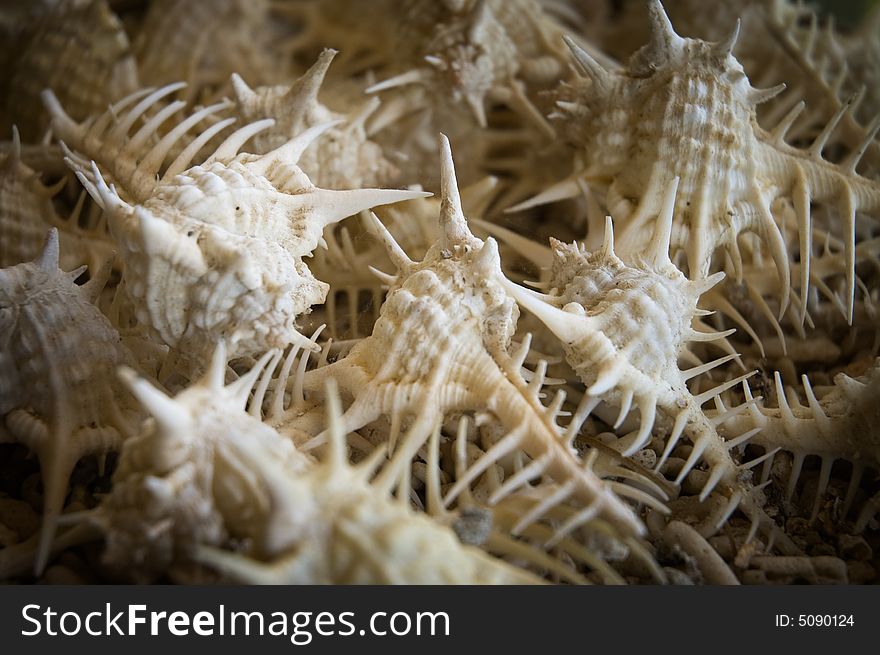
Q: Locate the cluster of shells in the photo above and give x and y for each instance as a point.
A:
(423, 291)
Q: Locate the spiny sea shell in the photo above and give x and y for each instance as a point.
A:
(216, 251)
(25, 209)
(476, 51)
(685, 108)
(824, 73)
(59, 355)
(440, 346)
(345, 158)
(348, 264)
(181, 481)
(27, 213)
(344, 530)
(85, 78)
(178, 40)
(623, 329)
(840, 422)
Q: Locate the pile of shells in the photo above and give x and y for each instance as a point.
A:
(459, 291)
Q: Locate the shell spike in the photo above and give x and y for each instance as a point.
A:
(819, 142)
(170, 416)
(758, 96)
(61, 122)
(382, 276)
(608, 239)
(14, 157)
(228, 150)
(241, 388)
(453, 224)
(132, 115)
(106, 197)
(93, 288)
(564, 325)
(215, 377)
(663, 227)
(243, 93)
(332, 206)
(663, 36)
(48, 259)
(607, 378)
(647, 415)
(475, 104)
(852, 161)
(397, 255)
(487, 258)
(725, 47)
(783, 126)
(702, 286)
(338, 448)
(591, 68)
(290, 152)
(413, 76)
(183, 160)
(56, 470)
(539, 255)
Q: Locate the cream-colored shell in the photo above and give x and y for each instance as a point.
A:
(216, 251)
(343, 530)
(59, 355)
(181, 481)
(440, 346)
(345, 158)
(684, 108)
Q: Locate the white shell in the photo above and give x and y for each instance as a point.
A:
(216, 251)
(181, 481)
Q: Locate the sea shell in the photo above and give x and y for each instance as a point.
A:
(824, 69)
(440, 346)
(344, 158)
(27, 213)
(25, 209)
(623, 328)
(225, 239)
(351, 254)
(178, 41)
(836, 423)
(181, 481)
(85, 78)
(344, 530)
(684, 108)
(59, 355)
(475, 50)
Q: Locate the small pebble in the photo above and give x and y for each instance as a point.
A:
(676, 577)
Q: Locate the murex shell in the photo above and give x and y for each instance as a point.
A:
(80, 50)
(685, 108)
(181, 481)
(59, 356)
(344, 157)
(214, 251)
(623, 328)
(340, 529)
(440, 346)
